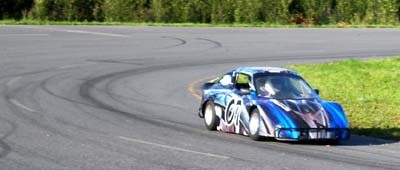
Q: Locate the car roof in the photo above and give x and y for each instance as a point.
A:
(255, 70)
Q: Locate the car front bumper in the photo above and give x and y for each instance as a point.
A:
(298, 134)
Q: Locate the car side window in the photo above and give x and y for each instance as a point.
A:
(226, 80)
(242, 81)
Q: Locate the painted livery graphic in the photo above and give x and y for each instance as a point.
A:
(270, 102)
(235, 117)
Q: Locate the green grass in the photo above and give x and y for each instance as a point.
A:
(266, 25)
(369, 92)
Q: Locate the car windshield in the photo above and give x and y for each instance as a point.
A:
(282, 86)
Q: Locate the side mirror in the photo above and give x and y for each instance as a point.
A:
(244, 91)
(207, 85)
(316, 91)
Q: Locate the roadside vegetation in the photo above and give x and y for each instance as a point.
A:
(368, 91)
(160, 24)
(263, 13)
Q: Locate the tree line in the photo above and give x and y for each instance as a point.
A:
(207, 11)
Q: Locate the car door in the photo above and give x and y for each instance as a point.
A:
(236, 117)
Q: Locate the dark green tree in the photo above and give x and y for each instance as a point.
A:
(275, 11)
(15, 9)
(223, 11)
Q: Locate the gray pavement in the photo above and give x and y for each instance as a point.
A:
(91, 97)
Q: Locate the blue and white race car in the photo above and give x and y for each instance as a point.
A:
(270, 102)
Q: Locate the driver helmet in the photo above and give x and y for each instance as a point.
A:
(276, 83)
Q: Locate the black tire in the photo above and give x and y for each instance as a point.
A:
(254, 132)
(211, 120)
(331, 142)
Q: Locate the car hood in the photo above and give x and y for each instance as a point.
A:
(305, 113)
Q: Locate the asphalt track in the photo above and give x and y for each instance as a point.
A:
(125, 97)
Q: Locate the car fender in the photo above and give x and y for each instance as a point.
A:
(336, 113)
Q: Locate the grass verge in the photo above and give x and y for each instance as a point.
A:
(369, 92)
(262, 25)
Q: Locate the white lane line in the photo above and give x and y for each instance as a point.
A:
(74, 66)
(17, 103)
(23, 35)
(302, 51)
(13, 81)
(95, 33)
(68, 66)
(76, 31)
(173, 148)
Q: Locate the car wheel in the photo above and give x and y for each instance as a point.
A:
(210, 118)
(254, 125)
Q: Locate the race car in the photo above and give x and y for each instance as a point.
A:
(270, 102)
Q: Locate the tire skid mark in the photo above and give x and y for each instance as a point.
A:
(24, 152)
(181, 41)
(114, 96)
(96, 143)
(27, 73)
(87, 87)
(44, 86)
(36, 122)
(216, 43)
(16, 106)
(8, 96)
(6, 148)
(85, 92)
(177, 126)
